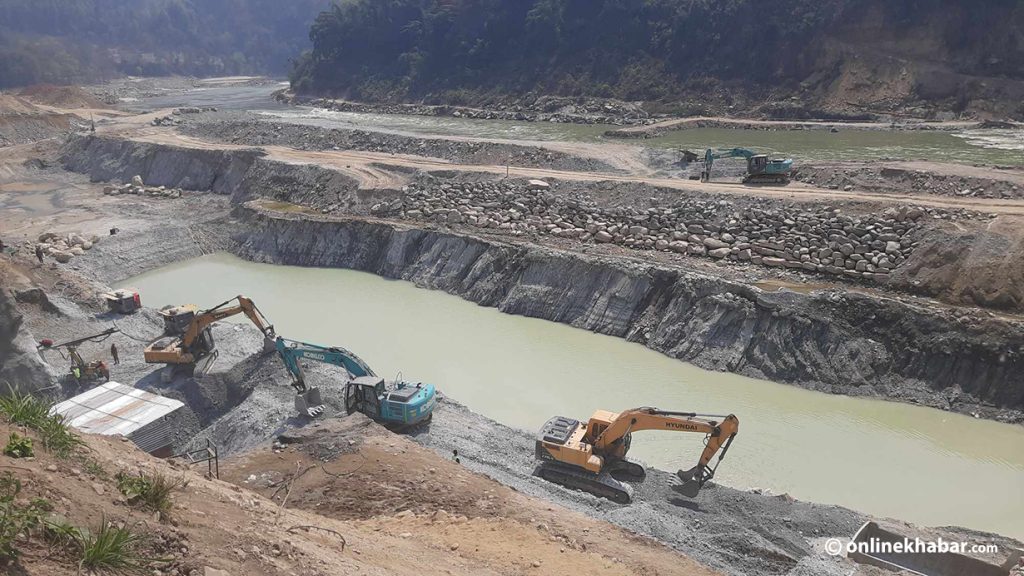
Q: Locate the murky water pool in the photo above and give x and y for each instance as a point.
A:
(888, 459)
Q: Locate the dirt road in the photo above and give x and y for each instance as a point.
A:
(370, 169)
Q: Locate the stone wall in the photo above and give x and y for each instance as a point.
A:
(819, 239)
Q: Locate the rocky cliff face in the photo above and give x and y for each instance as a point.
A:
(837, 342)
(21, 368)
(106, 159)
(243, 174)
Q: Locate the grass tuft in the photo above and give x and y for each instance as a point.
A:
(23, 409)
(149, 491)
(31, 412)
(116, 549)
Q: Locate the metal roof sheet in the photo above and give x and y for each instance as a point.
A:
(114, 408)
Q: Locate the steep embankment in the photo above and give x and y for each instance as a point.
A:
(836, 342)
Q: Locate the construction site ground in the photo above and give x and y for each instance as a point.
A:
(400, 503)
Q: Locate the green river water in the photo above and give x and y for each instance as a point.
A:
(1001, 147)
(888, 459)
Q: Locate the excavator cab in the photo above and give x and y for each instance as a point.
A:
(400, 407)
(365, 394)
(756, 164)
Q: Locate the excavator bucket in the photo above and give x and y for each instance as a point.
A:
(310, 403)
(691, 484)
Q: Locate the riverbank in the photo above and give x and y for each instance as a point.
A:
(662, 127)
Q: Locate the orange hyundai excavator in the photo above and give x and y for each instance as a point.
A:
(188, 338)
(591, 456)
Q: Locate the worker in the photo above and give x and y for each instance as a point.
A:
(113, 353)
(455, 457)
(39, 253)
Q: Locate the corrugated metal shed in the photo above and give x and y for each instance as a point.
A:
(117, 409)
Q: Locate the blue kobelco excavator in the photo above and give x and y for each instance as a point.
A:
(760, 170)
(400, 406)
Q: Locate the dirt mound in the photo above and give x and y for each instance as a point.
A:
(983, 267)
(11, 105)
(353, 470)
(61, 96)
(215, 528)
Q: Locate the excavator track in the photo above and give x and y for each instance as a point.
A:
(628, 471)
(602, 485)
(767, 179)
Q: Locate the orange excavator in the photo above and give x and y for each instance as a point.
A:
(591, 456)
(188, 339)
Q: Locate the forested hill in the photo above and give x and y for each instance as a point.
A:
(956, 54)
(64, 41)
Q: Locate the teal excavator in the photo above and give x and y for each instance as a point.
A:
(401, 405)
(760, 169)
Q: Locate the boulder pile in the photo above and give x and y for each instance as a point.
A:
(63, 248)
(814, 239)
(172, 120)
(138, 188)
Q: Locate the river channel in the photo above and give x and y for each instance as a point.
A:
(884, 458)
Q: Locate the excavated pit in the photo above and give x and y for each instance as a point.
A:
(842, 342)
(835, 341)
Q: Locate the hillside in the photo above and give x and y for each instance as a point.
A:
(98, 509)
(66, 41)
(800, 58)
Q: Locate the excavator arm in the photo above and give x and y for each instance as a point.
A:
(710, 155)
(719, 430)
(220, 312)
(291, 351)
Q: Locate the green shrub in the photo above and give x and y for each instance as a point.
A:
(149, 491)
(92, 466)
(18, 446)
(17, 520)
(115, 549)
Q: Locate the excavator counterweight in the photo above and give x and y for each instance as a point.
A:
(591, 456)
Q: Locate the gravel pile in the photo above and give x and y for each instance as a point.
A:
(252, 132)
(901, 181)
